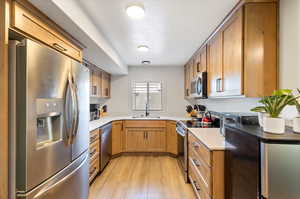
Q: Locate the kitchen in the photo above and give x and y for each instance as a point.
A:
(139, 99)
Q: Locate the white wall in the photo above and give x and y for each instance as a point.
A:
(172, 88)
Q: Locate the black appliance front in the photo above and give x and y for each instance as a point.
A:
(242, 159)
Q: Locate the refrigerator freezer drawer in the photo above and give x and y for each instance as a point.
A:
(280, 171)
(71, 182)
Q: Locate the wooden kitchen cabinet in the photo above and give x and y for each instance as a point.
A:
(117, 132)
(233, 56)
(215, 71)
(144, 136)
(96, 83)
(156, 140)
(172, 140)
(105, 85)
(241, 55)
(94, 151)
(135, 140)
(187, 82)
(99, 81)
(206, 169)
(26, 21)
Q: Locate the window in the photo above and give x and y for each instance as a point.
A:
(147, 93)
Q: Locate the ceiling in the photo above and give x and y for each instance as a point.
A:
(173, 29)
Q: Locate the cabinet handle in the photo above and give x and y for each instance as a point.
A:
(197, 186)
(93, 138)
(94, 91)
(93, 152)
(198, 68)
(195, 145)
(58, 47)
(196, 162)
(219, 84)
(93, 170)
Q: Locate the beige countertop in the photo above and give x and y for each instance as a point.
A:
(210, 137)
(105, 120)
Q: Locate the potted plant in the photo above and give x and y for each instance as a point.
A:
(272, 107)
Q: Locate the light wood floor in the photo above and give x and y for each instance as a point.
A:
(141, 177)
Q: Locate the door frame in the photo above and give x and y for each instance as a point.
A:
(4, 28)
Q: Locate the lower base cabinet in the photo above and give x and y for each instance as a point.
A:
(145, 140)
(206, 170)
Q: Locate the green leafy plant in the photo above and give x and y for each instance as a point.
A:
(273, 105)
(297, 103)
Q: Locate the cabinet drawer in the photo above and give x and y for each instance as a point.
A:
(145, 124)
(198, 181)
(94, 136)
(200, 150)
(200, 193)
(201, 167)
(26, 22)
(94, 150)
(94, 169)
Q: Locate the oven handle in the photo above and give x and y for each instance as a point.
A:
(178, 130)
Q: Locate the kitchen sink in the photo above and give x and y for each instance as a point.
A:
(146, 117)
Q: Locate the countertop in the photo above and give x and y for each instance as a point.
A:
(210, 137)
(105, 120)
(288, 137)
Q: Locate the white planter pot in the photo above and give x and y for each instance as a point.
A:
(274, 125)
(261, 118)
(296, 124)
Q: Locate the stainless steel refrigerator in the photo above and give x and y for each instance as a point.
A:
(49, 123)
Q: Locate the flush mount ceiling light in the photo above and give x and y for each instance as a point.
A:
(135, 11)
(146, 62)
(143, 48)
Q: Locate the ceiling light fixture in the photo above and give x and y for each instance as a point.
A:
(143, 48)
(135, 11)
(146, 62)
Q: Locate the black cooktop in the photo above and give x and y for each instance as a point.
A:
(199, 124)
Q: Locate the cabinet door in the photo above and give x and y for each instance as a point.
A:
(203, 60)
(233, 56)
(216, 65)
(172, 138)
(156, 140)
(117, 129)
(187, 80)
(105, 85)
(95, 83)
(135, 140)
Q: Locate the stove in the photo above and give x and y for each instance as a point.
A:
(182, 129)
(199, 124)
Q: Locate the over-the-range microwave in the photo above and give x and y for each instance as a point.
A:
(199, 86)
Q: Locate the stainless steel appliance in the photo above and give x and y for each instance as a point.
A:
(182, 131)
(49, 131)
(182, 158)
(280, 171)
(105, 145)
(199, 86)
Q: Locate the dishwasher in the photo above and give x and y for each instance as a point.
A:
(105, 145)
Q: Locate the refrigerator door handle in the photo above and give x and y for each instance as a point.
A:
(70, 112)
(76, 109)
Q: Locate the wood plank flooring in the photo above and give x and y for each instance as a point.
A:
(141, 177)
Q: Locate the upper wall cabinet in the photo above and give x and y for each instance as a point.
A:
(242, 52)
(99, 81)
(26, 21)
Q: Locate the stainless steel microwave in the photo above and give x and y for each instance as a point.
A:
(199, 86)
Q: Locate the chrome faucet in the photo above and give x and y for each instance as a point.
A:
(147, 110)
